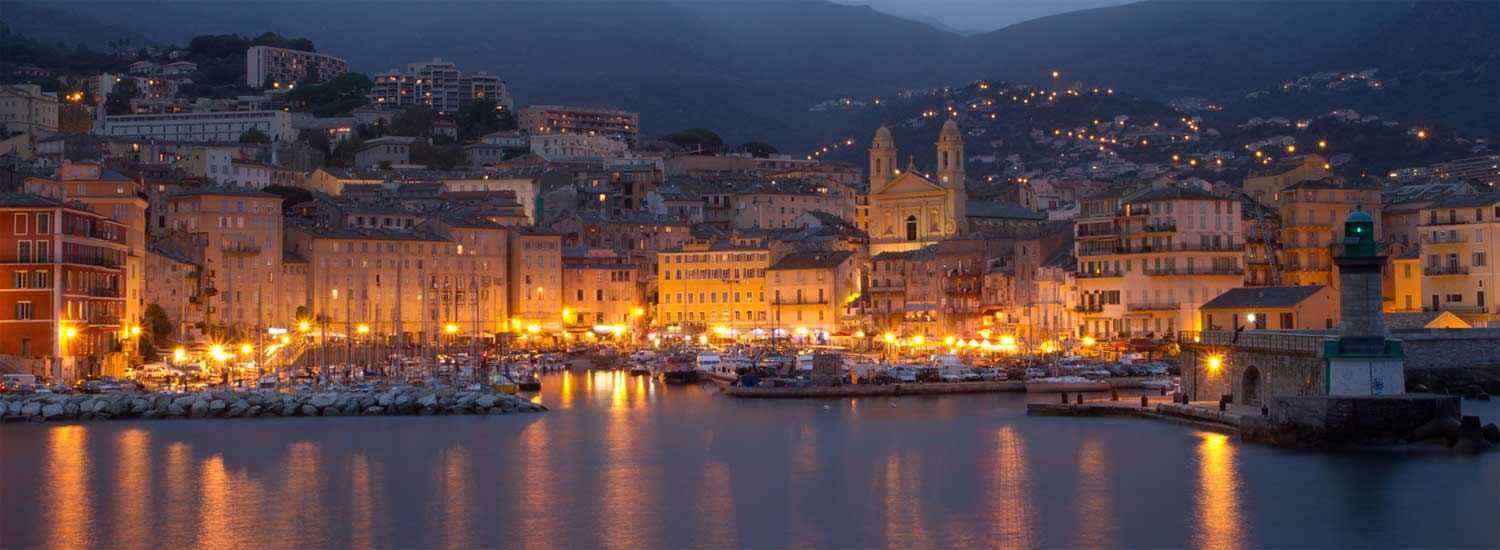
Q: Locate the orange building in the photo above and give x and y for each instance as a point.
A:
(62, 282)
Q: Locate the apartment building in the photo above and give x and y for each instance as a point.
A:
(225, 126)
(719, 284)
(1148, 259)
(778, 205)
(536, 281)
(121, 200)
(808, 289)
(1460, 241)
(1312, 222)
(271, 67)
(63, 308)
(25, 108)
(601, 288)
(588, 121)
(438, 85)
(1265, 181)
(237, 233)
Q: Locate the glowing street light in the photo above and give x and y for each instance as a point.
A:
(451, 328)
(362, 328)
(304, 326)
(1214, 362)
(246, 349)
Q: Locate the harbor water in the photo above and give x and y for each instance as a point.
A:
(626, 462)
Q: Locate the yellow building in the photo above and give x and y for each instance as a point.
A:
(721, 284)
(1312, 222)
(1148, 260)
(1460, 242)
(808, 290)
(536, 287)
(907, 210)
(1264, 182)
(601, 288)
(1406, 277)
(237, 233)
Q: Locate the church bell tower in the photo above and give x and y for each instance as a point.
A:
(882, 159)
(950, 156)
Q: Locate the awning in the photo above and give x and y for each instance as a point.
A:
(1143, 346)
(840, 335)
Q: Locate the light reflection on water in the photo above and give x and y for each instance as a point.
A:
(625, 462)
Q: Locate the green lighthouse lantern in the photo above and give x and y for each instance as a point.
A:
(1359, 233)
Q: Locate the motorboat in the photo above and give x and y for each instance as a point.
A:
(1054, 384)
(504, 384)
(678, 369)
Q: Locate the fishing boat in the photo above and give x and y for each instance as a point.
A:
(678, 369)
(528, 381)
(502, 383)
(640, 368)
(1054, 384)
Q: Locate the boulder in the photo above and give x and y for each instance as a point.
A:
(385, 399)
(198, 409)
(351, 407)
(255, 410)
(150, 414)
(184, 401)
(70, 409)
(374, 410)
(53, 410)
(216, 408)
(428, 401)
(331, 411)
(99, 405)
(31, 408)
(139, 406)
(309, 410)
(323, 400)
(237, 409)
(120, 405)
(176, 410)
(485, 401)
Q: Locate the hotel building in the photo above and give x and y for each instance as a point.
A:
(282, 67)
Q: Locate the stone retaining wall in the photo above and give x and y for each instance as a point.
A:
(252, 404)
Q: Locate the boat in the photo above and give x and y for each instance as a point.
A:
(1157, 383)
(709, 362)
(528, 382)
(678, 369)
(1054, 384)
(640, 369)
(502, 383)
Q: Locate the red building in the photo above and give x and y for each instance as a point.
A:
(62, 275)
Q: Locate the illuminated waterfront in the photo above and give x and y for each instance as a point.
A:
(623, 462)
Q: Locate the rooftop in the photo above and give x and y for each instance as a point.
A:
(1263, 297)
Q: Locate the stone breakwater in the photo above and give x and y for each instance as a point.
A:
(63, 408)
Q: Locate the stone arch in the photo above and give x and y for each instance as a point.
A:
(911, 228)
(1252, 389)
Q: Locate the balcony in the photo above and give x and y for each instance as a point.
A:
(1149, 249)
(240, 247)
(1085, 232)
(1445, 270)
(1154, 306)
(1133, 211)
(1160, 227)
(104, 320)
(1219, 340)
(104, 292)
(1099, 274)
(1434, 222)
(803, 302)
(1460, 310)
(961, 289)
(1184, 271)
(1090, 308)
(1444, 238)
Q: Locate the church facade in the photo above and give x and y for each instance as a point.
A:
(908, 210)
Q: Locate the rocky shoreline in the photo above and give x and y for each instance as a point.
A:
(116, 406)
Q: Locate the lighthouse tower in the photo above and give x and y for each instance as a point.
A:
(1363, 360)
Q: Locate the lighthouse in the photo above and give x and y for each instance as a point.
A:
(1364, 360)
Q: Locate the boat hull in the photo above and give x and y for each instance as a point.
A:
(679, 377)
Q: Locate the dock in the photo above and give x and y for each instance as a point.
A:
(866, 390)
(1204, 414)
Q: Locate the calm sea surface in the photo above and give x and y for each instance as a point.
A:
(623, 462)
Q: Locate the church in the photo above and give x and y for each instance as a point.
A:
(908, 211)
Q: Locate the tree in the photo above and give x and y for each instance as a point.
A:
(315, 137)
(158, 326)
(699, 139)
(483, 117)
(343, 154)
(289, 195)
(117, 102)
(254, 136)
(72, 117)
(759, 149)
(147, 349)
(416, 121)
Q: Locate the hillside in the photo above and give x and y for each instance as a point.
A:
(751, 69)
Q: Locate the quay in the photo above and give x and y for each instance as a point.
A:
(1202, 415)
(866, 390)
(162, 405)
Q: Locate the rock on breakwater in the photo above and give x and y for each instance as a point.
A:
(54, 408)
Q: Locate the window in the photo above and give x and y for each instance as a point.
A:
(23, 252)
(911, 228)
(20, 224)
(1478, 259)
(43, 223)
(43, 255)
(24, 310)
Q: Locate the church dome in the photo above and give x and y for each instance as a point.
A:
(1359, 215)
(883, 137)
(950, 128)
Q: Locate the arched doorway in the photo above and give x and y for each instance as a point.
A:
(1250, 386)
(911, 228)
